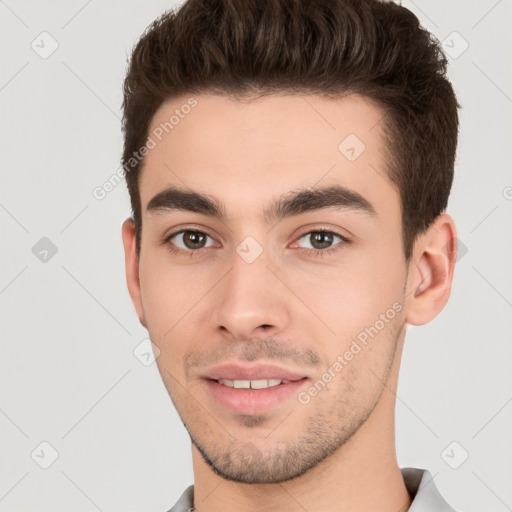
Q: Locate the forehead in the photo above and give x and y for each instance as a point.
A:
(246, 150)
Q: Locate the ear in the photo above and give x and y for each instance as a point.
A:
(132, 267)
(431, 270)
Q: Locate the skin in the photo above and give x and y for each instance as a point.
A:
(288, 307)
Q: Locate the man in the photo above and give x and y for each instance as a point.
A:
(289, 164)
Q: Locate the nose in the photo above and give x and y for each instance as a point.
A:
(250, 300)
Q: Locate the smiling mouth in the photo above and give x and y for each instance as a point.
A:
(252, 396)
(252, 384)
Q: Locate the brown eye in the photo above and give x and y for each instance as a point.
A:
(194, 239)
(189, 240)
(324, 240)
(321, 240)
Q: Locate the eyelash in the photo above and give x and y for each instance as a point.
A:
(309, 252)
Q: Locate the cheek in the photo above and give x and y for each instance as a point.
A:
(377, 277)
(353, 294)
(168, 291)
(172, 301)
(359, 302)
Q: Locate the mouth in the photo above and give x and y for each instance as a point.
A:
(252, 389)
(252, 384)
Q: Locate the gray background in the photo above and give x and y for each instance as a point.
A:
(69, 376)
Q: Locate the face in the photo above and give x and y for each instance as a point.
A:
(276, 298)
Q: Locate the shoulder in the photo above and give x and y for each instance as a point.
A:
(423, 491)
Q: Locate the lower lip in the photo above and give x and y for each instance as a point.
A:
(253, 401)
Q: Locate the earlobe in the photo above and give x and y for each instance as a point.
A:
(431, 271)
(132, 267)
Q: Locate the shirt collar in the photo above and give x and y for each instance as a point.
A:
(419, 483)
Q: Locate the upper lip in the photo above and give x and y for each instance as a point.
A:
(235, 371)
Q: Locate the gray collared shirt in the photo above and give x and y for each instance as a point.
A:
(419, 483)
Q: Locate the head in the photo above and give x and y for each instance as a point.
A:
(251, 127)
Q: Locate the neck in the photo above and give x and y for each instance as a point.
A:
(362, 475)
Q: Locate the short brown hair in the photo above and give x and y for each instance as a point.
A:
(248, 48)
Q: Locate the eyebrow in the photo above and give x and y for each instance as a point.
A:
(295, 202)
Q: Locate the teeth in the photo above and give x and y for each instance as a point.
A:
(264, 383)
(253, 384)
